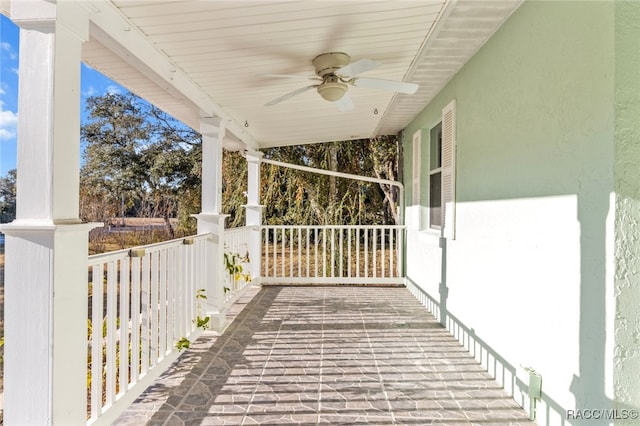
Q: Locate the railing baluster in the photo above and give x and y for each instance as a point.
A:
(333, 252)
(291, 233)
(171, 280)
(357, 252)
(282, 245)
(324, 252)
(399, 251)
(341, 254)
(366, 252)
(162, 303)
(110, 370)
(375, 252)
(96, 339)
(154, 352)
(299, 251)
(144, 320)
(198, 261)
(125, 272)
(383, 253)
(276, 261)
(315, 252)
(349, 231)
(135, 319)
(391, 251)
(308, 253)
(179, 292)
(265, 244)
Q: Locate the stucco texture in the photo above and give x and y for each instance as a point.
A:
(627, 204)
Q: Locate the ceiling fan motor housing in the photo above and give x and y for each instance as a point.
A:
(329, 63)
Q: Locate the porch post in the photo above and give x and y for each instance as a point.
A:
(47, 245)
(210, 219)
(254, 214)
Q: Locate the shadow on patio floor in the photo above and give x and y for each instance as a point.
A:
(326, 355)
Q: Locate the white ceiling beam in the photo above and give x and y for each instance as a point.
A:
(115, 32)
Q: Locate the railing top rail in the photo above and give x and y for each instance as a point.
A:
(335, 226)
(238, 229)
(95, 259)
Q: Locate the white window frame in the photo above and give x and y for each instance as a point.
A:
(432, 172)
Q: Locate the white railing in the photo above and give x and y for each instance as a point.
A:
(141, 301)
(332, 254)
(236, 246)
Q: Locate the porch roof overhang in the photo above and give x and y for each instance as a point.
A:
(203, 59)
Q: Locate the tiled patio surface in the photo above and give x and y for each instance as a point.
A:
(326, 355)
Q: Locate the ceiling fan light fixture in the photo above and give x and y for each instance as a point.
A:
(332, 91)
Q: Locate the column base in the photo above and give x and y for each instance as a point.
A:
(219, 321)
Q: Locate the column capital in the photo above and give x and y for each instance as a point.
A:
(253, 156)
(37, 15)
(211, 217)
(21, 227)
(44, 16)
(213, 127)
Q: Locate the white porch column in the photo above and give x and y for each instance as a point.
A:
(254, 213)
(46, 246)
(210, 219)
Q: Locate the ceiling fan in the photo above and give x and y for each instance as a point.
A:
(335, 73)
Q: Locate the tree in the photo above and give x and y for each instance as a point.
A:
(386, 154)
(8, 197)
(294, 197)
(138, 158)
(234, 187)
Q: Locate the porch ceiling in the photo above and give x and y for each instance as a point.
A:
(196, 58)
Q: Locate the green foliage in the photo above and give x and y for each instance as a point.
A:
(201, 294)
(234, 187)
(183, 344)
(233, 263)
(8, 197)
(202, 322)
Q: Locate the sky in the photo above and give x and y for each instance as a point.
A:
(92, 83)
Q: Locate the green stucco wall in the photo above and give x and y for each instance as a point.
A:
(532, 268)
(627, 183)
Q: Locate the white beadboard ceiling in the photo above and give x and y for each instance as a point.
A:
(203, 58)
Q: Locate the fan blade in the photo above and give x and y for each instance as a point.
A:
(376, 83)
(304, 77)
(345, 103)
(358, 67)
(290, 95)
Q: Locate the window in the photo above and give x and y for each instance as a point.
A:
(435, 177)
(442, 173)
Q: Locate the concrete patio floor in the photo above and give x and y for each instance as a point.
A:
(326, 355)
